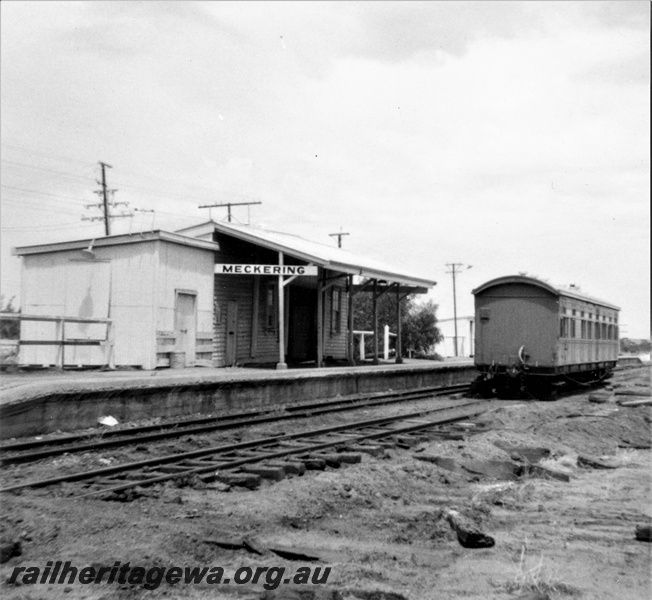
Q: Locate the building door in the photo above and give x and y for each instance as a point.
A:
(302, 340)
(231, 333)
(185, 325)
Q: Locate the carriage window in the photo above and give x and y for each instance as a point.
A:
(484, 314)
(563, 327)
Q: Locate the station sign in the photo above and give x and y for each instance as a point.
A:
(229, 269)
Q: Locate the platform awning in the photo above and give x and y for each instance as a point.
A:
(321, 255)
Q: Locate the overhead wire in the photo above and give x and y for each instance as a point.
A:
(168, 193)
(60, 173)
(45, 154)
(67, 199)
(21, 204)
(49, 227)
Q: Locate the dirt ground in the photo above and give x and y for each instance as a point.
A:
(379, 525)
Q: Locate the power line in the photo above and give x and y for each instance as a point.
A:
(17, 189)
(21, 204)
(45, 154)
(61, 173)
(74, 225)
(77, 201)
(163, 179)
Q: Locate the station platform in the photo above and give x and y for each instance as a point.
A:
(40, 402)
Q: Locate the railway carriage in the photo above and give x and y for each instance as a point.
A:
(533, 338)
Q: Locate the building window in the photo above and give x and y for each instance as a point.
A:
(336, 310)
(271, 314)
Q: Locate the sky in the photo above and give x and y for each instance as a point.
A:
(512, 137)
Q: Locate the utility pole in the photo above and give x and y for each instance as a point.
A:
(228, 205)
(106, 204)
(339, 237)
(455, 268)
(105, 200)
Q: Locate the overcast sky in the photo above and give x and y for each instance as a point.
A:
(511, 136)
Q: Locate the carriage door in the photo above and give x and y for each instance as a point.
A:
(185, 325)
(231, 333)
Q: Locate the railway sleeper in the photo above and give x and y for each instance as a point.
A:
(172, 468)
(313, 463)
(294, 467)
(266, 471)
(331, 459)
(407, 441)
(204, 463)
(247, 480)
(335, 459)
(371, 449)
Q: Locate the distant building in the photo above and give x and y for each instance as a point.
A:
(217, 294)
(465, 337)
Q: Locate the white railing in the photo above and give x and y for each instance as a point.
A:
(386, 336)
(61, 340)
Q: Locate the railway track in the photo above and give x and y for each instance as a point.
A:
(32, 450)
(244, 463)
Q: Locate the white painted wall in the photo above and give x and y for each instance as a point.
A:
(134, 284)
(465, 337)
(184, 268)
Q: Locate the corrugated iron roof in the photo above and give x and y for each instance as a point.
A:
(322, 255)
(115, 240)
(556, 290)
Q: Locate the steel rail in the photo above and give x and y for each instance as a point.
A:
(17, 446)
(278, 454)
(224, 449)
(179, 428)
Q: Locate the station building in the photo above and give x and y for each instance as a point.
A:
(215, 294)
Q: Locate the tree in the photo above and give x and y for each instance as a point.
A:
(634, 346)
(363, 314)
(420, 329)
(9, 328)
(419, 321)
